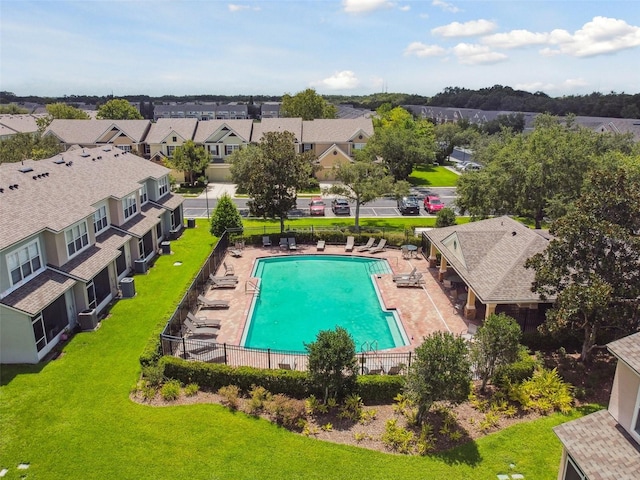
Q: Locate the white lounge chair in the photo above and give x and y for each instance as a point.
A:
(228, 269)
(222, 283)
(226, 278)
(284, 243)
(380, 247)
(320, 245)
(401, 276)
(194, 330)
(367, 246)
(349, 246)
(292, 244)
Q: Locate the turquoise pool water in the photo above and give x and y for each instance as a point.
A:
(301, 295)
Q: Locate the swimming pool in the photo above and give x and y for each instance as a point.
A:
(303, 294)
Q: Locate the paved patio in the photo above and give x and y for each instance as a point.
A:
(422, 310)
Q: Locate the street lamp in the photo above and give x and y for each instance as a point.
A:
(206, 195)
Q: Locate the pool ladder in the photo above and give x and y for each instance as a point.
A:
(369, 347)
(252, 286)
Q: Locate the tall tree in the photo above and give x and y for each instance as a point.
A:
(118, 109)
(535, 175)
(272, 173)
(23, 146)
(441, 371)
(496, 343)
(307, 105)
(364, 180)
(60, 111)
(190, 159)
(332, 363)
(401, 142)
(592, 265)
(225, 216)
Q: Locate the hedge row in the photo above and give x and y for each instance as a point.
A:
(373, 389)
(395, 238)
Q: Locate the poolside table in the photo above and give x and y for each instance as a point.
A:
(412, 249)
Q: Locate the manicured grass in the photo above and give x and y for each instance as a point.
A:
(433, 176)
(71, 418)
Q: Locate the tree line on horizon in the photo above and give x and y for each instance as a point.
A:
(497, 97)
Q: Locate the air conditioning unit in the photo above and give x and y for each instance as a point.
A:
(128, 287)
(140, 265)
(88, 319)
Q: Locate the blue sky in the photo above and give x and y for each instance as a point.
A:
(351, 47)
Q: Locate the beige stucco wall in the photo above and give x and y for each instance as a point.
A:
(219, 172)
(624, 394)
(17, 344)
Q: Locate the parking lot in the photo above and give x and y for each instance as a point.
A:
(365, 211)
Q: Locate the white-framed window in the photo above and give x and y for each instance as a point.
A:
(124, 148)
(229, 149)
(170, 149)
(635, 421)
(572, 471)
(24, 263)
(100, 220)
(144, 196)
(77, 238)
(129, 206)
(163, 186)
(213, 150)
(306, 147)
(358, 146)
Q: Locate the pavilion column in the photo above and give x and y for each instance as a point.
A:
(433, 259)
(470, 306)
(491, 309)
(443, 268)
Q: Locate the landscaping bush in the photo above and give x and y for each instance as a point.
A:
(379, 389)
(516, 372)
(170, 390)
(286, 411)
(545, 392)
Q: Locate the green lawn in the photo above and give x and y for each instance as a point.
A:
(71, 418)
(433, 176)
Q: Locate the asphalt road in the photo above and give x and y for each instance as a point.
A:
(382, 207)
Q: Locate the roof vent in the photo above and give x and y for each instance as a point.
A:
(84, 155)
(10, 187)
(1, 190)
(25, 169)
(99, 157)
(513, 234)
(69, 163)
(35, 177)
(45, 174)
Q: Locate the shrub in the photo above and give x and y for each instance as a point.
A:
(230, 396)
(312, 405)
(397, 438)
(544, 392)
(516, 372)
(191, 389)
(154, 375)
(379, 389)
(170, 390)
(286, 411)
(352, 408)
(259, 396)
(427, 440)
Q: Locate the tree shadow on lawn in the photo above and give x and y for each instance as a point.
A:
(467, 454)
(420, 181)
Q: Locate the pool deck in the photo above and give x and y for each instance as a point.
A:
(422, 310)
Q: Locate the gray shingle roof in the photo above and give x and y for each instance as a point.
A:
(67, 194)
(627, 349)
(489, 255)
(89, 132)
(39, 292)
(602, 449)
(141, 224)
(293, 125)
(183, 127)
(94, 259)
(19, 123)
(242, 128)
(335, 130)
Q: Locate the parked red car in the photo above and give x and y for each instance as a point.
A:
(316, 206)
(433, 204)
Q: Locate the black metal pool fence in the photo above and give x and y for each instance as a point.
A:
(173, 343)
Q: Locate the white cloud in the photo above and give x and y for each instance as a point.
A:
(570, 84)
(345, 80)
(233, 7)
(362, 6)
(515, 39)
(421, 50)
(447, 7)
(467, 29)
(470, 54)
(600, 36)
(404, 8)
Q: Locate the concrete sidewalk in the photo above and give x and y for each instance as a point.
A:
(216, 190)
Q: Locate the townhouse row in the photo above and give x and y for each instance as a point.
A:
(331, 140)
(72, 228)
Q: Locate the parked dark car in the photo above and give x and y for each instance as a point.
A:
(340, 206)
(409, 206)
